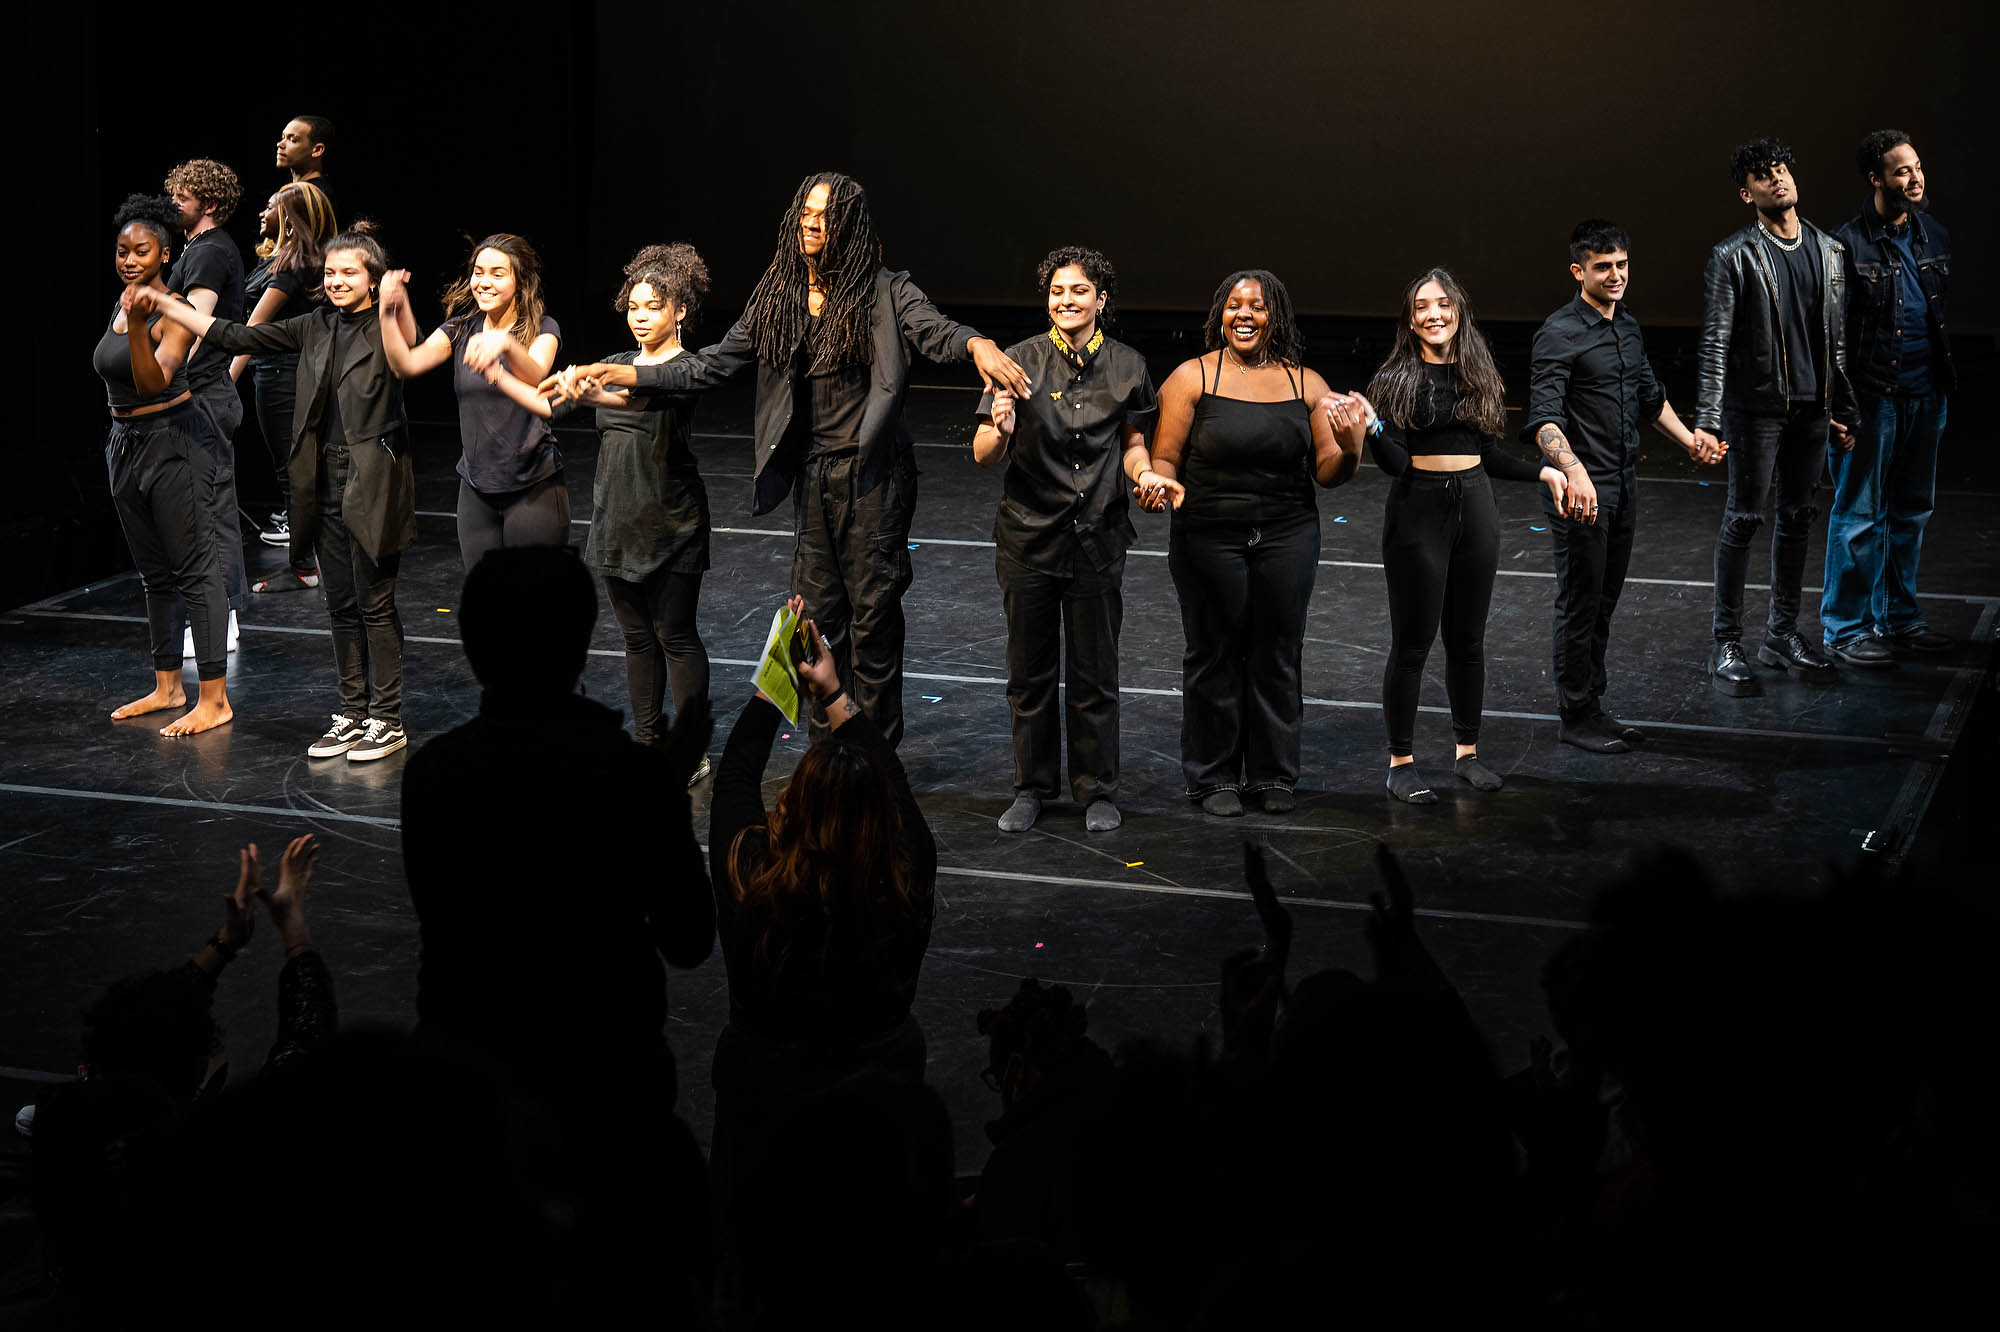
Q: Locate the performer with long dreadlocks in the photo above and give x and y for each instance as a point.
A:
(831, 331)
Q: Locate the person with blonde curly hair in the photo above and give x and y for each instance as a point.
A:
(208, 272)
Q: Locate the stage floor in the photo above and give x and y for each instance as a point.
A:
(116, 844)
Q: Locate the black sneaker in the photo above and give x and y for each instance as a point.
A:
(277, 531)
(701, 773)
(383, 739)
(343, 735)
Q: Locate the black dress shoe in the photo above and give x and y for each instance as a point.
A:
(1792, 652)
(1592, 738)
(1922, 639)
(1610, 725)
(1730, 671)
(1865, 651)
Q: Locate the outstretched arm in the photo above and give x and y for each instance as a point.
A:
(399, 330)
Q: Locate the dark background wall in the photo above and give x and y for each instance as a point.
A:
(1344, 146)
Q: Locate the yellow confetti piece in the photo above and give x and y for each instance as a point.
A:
(444, 610)
(1134, 864)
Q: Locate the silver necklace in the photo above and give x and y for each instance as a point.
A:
(1786, 246)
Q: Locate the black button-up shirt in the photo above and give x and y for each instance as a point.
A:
(1590, 376)
(1064, 490)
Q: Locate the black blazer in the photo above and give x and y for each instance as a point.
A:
(379, 504)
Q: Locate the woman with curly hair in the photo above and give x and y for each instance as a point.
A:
(1437, 411)
(649, 518)
(1248, 430)
(823, 907)
(161, 456)
(510, 489)
(297, 223)
(1070, 450)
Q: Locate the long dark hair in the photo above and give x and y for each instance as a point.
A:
(1282, 338)
(1400, 390)
(836, 851)
(776, 316)
(528, 308)
(305, 221)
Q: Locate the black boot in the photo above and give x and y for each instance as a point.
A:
(1792, 652)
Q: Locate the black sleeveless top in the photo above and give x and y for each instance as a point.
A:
(112, 360)
(1247, 462)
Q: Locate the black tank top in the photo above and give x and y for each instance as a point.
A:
(112, 360)
(1247, 462)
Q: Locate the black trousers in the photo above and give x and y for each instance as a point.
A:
(162, 483)
(1781, 455)
(1440, 548)
(662, 643)
(1083, 610)
(222, 407)
(1243, 594)
(536, 515)
(275, 385)
(361, 602)
(851, 563)
(1591, 562)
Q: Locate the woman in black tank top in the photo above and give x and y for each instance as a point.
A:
(1248, 430)
(161, 457)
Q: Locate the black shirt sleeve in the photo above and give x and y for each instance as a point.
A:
(1548, 381)
(738, 799)
(1392, 451)
(1508, 466)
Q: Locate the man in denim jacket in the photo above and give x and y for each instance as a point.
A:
(1898, 355)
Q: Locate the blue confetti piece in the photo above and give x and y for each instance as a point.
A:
(1533, 528)
(1704, 483)
(1340, 520)
(933, 698)
(915, 544)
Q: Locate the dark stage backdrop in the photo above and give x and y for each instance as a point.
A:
(1344, 146)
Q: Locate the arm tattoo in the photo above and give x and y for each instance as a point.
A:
(1555, 448)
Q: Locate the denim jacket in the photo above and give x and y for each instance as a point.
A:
(1871, 297)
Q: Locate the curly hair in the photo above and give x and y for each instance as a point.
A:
(156, 213)
(212, 184)
(1283, 339)
(1095, 267)
(777, 317)
(1868, 154)
(674, 272)
(1757, 158)
(528, 309)
(305, 224)
(1400, 389)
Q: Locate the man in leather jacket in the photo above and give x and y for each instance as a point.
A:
(1898, 260)
(1773, 389)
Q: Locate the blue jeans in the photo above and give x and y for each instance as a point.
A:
(1883, 493)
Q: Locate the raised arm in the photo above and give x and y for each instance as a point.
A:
(996, 428)
(1339, 425)
(399, 329)
(690, 372)
(153, 368)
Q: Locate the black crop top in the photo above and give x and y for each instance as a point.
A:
(1437, 431)
(112, 360)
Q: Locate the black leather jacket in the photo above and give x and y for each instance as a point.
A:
(1743, 351)
(1872, 272)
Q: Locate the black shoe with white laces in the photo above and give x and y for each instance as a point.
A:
(277, 531)
(343, 735)
(383, 739)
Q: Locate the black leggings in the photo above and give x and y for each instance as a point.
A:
(162, 469)
(662, 641)
(1440, 548)
(535, 516)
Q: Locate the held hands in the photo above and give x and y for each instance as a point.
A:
(1558, 485)
(1349, 415)
(139, 301)
(570, 383)
(1003, 411)
(392, 294)
(995, 365)
(1159, 493)
(1841, 437)
(1706, 448)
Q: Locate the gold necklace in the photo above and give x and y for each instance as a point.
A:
(1244, 367)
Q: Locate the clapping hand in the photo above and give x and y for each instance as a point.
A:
(287, 903)
(1401, 960)
(239, 908)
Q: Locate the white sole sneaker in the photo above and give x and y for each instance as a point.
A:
(379, 743)
(187, 639)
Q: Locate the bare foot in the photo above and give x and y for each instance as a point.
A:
(204, 717)
(156, 701)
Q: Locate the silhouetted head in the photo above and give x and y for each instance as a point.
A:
(156, 1025)
(525, 619)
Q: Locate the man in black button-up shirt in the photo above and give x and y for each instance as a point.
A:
(1590, 389)
(1072, 448)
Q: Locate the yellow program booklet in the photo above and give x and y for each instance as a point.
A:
(775, 674)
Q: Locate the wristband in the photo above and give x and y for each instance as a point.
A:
(833, 698)
(1375, 427)
(226, 951)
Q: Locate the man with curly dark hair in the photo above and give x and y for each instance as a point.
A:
(1773, 389)
(1898, 261)
(209, 273)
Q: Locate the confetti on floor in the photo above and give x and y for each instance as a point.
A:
(1134, 864)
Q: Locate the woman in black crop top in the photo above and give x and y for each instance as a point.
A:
(649, 509)
(1248, 430)
(1437, 419)
(161, 456)
(511, 490)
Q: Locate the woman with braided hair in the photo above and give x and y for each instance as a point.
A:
(831, 331)
(649, 510)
